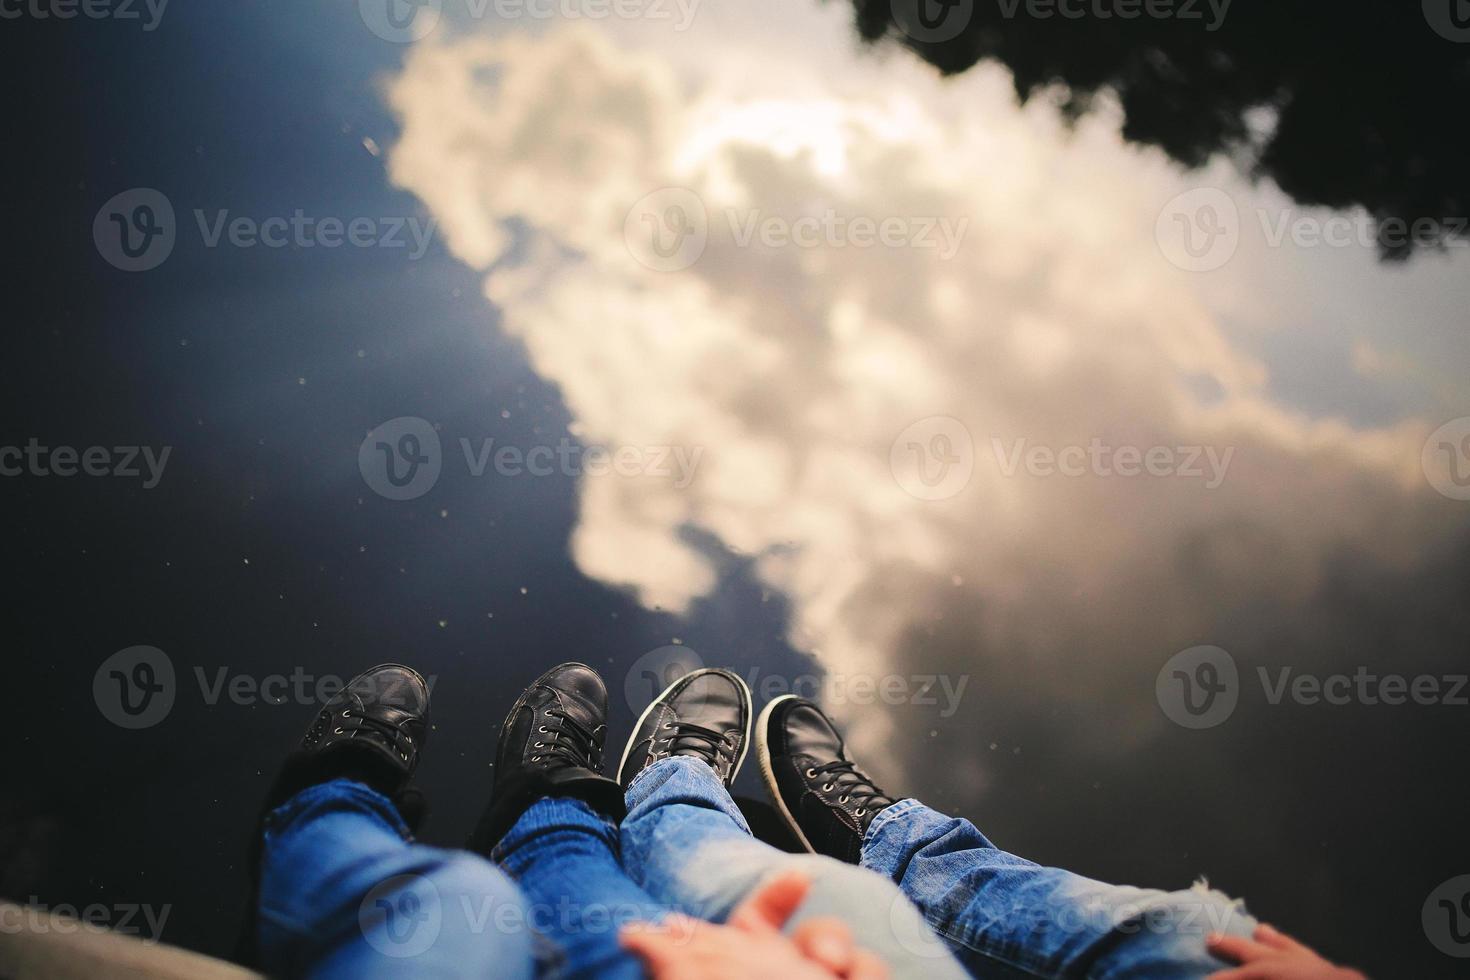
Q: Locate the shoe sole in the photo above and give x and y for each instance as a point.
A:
(744, 743)
(763, 753)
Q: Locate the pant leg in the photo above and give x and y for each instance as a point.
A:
(564, 856)
(685, 841)
(1007, 917)
(343, 893)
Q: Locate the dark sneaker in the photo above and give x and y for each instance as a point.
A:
(551, 745)
(825, 799)
(704, 714)
(372, 731)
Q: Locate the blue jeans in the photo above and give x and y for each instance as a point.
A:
(1008, 918)
(685, 842)
(343, 893)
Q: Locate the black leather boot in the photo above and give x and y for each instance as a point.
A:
(704, 714)
(551, 745)
(822, 795)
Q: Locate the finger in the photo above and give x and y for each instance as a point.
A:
(674, 930)
(1236, 948)
(867, 966)
(826, 942)
(653, 946)
(1273, 937)
(770, 905)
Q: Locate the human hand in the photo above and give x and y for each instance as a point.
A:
(1273, 955)
(751, 946)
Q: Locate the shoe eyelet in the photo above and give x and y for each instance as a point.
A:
(668, 724)
(403, 757)
(841, 799)
(827, 787)
(540, 745)
(860, 811)
(541, 728)
(338, 731)
(346, 712)
(535, 758)
(811, 774)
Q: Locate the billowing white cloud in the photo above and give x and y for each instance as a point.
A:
(1048, 314)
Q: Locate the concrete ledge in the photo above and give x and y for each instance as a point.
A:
(40, 945)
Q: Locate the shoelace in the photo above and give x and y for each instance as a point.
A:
(698, 741)
(854, 784)
(571, 742)
(380, 730)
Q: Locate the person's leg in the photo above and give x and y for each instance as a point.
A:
(685, 842)
(340, 889)
(997, 909)
(553, 825)
(344, 894)
(563, 854)
(1003, 916)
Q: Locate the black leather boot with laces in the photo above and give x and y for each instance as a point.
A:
(826, 800)
(371, 731)
(704, 714)
(551, 745)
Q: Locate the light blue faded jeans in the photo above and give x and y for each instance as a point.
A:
(1006, 917)
(686, 844)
